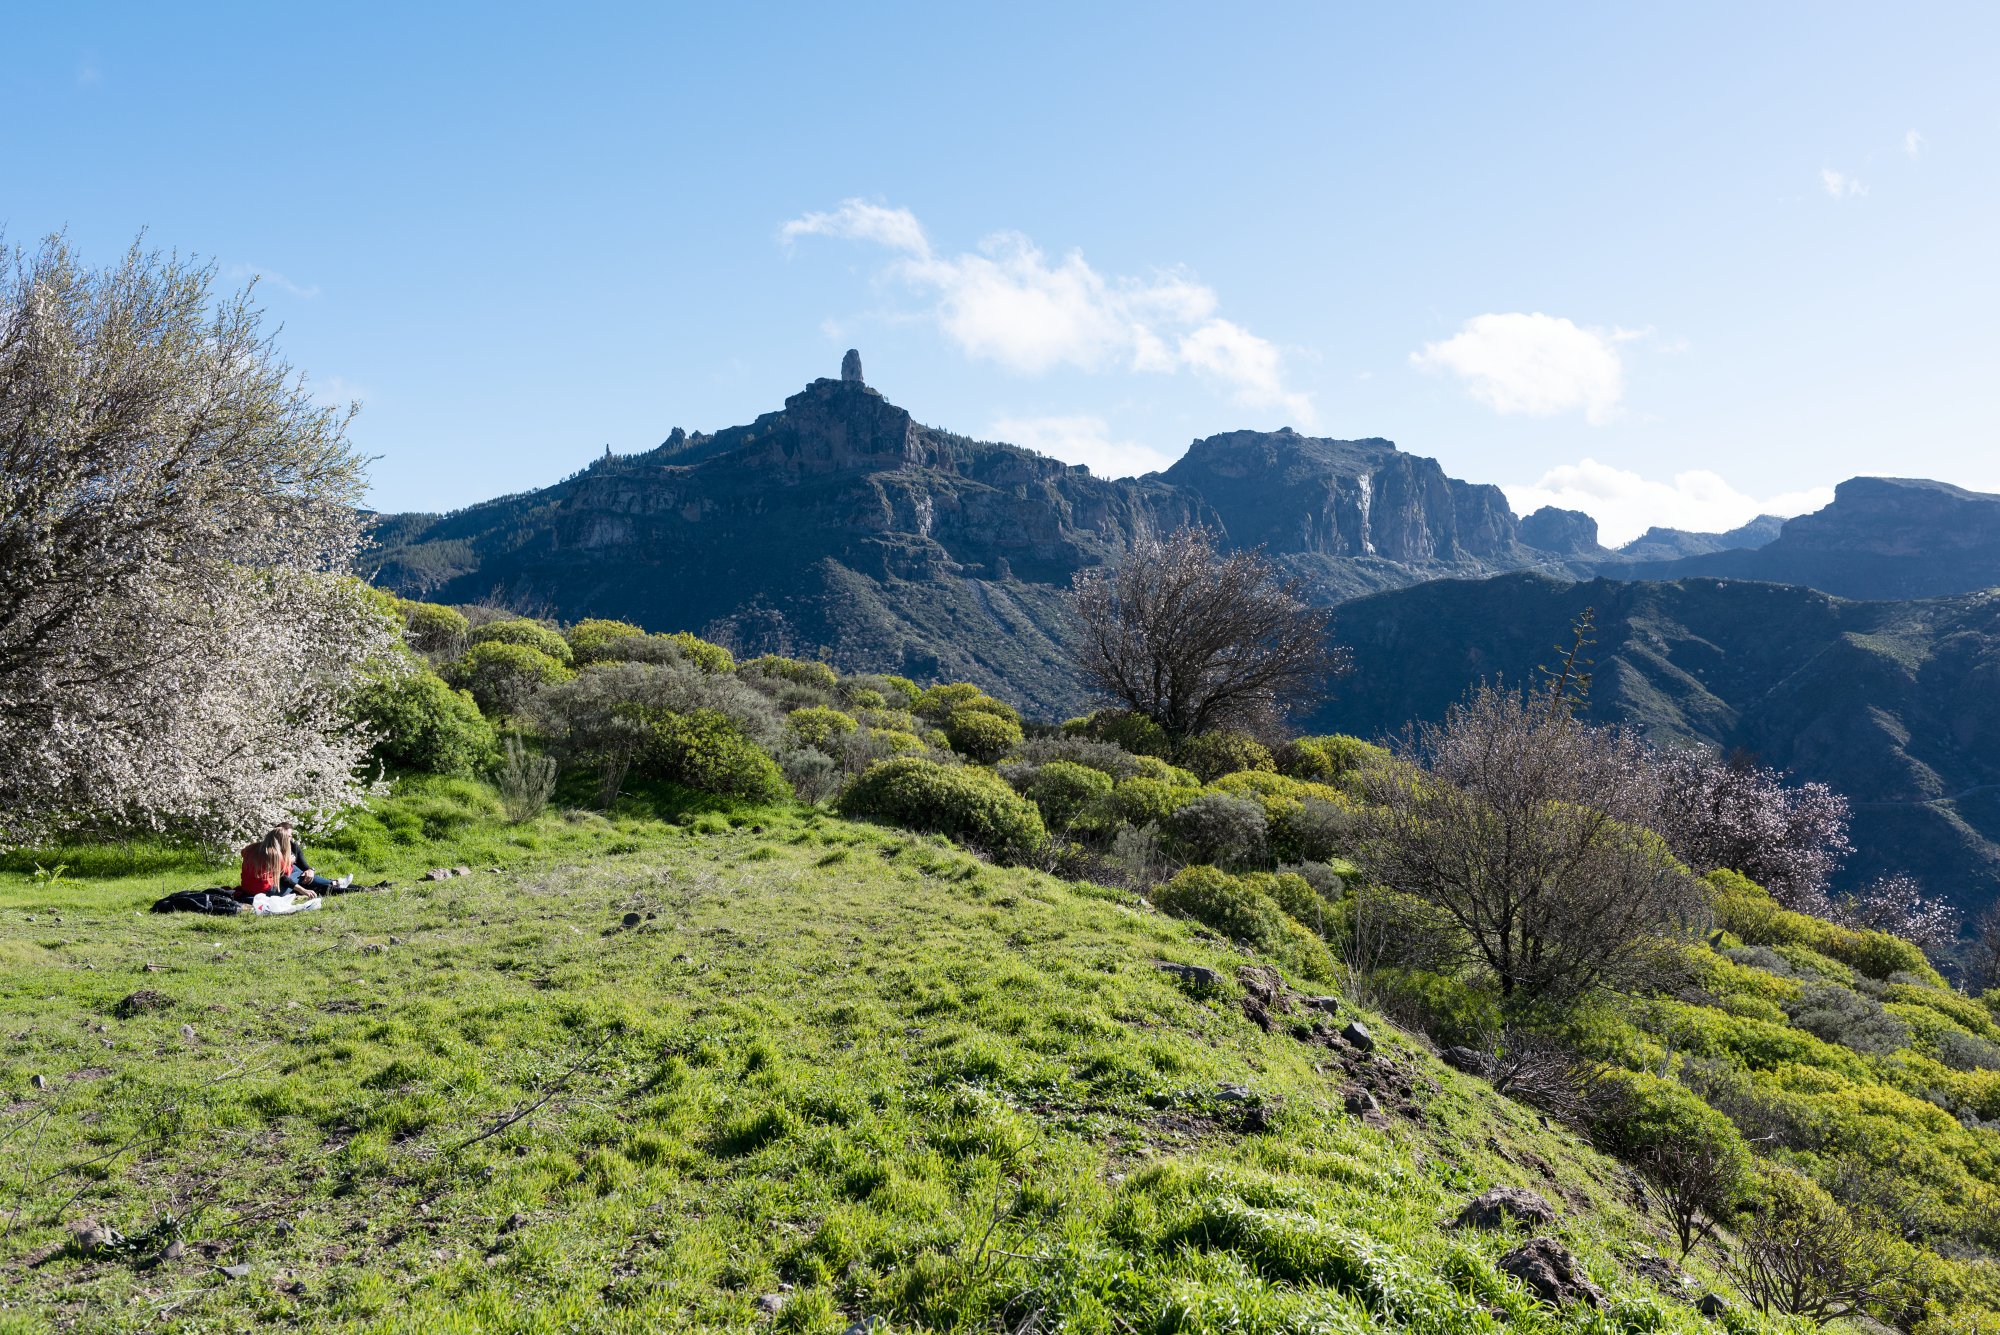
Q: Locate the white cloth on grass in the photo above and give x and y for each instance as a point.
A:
(291, 903)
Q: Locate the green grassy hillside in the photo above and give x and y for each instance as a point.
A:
(841, 1071)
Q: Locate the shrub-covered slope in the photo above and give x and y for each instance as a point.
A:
(827, 1068)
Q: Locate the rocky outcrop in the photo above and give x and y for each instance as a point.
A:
(1552, 1273)
(850, 366)
(1503, 1205)
(1565, 532)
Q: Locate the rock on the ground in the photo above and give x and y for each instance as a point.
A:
(1360, 1103)
(771, 1304)
(1357, 1035)
(1492, 1209)
(1712, 1305)
(1551, 1272)
(1199, 975)
(1470, 1060)
(140, 1002)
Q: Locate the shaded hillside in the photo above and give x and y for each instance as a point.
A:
(1882, 537)
(1897, 705)
(841, 528)
(1668, 544)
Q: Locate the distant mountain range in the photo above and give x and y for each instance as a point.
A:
(839, 527)
(1895, 704)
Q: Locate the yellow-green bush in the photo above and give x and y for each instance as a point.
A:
(974, 806)
(591, 637)
(798, 671)
(1152, 767)
(1214, 754)
(421, 723)
(501, 676)
(1121, 727)
(1237, 908)
(1743, 907)
(1063, 791)
(1306, 820)
(818, 725)
(709, 657)
(530, 634)
(432, 628)
(1327, 759)
(980, 734)
(1141, 801)
(937, 702)
(705, 749)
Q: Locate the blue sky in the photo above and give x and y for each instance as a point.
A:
(1669, 264)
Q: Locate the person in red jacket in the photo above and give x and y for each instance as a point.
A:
(265, 863)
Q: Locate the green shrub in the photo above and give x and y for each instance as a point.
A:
(1219, 829)
(710, 658)
(1636, 1112)
(1449, 1009)
(589, 640)
(1214, 754)
(818, 726)
(798, 671)
(1327, 759)
(421, 723)
(501, 676)
(1140, 802)
(1121, 727)
(1152, 767)
(1237, 908)
(894, 741)
(706, 750)
(980, 735)
(1063, 791)
(861, 697)
(1309, 822)
(531, 634)
(899, 692)
(971, 805)
(433, 628)
(936, 702)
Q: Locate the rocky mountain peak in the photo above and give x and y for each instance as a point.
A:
(1564, 532)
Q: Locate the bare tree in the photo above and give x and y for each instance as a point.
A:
(1528, 830)
(1692, 1178)
(1197, 639)
(1816, 1261)
(178, 637)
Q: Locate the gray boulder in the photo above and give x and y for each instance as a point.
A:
(1550, 1272)
(1493, 1209)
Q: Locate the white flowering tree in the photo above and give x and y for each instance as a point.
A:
(179, 638)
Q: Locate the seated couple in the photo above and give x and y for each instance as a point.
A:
(276, 865)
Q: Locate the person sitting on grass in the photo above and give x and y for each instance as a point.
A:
(268, 870)
(300, 872)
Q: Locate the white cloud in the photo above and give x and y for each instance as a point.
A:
(1913, 143)
(858, 220)
(272, 278)
(1082, 440)
(1839, 184)
(1009, 302)
(1537, 365)
(1625, 504)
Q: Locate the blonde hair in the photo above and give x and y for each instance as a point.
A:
(269, 854)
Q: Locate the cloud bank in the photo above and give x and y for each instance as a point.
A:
(1842, 186)
(1011, 303)
(1625, 504)
(1535, 365)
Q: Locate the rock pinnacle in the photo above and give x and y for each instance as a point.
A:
(850, 366)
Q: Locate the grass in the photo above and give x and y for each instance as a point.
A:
(850, 1068)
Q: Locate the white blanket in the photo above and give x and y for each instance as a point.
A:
(292, 903)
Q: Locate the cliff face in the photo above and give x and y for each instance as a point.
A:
(1345, 498)
(840, 526)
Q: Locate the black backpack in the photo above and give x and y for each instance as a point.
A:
(200, 901)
